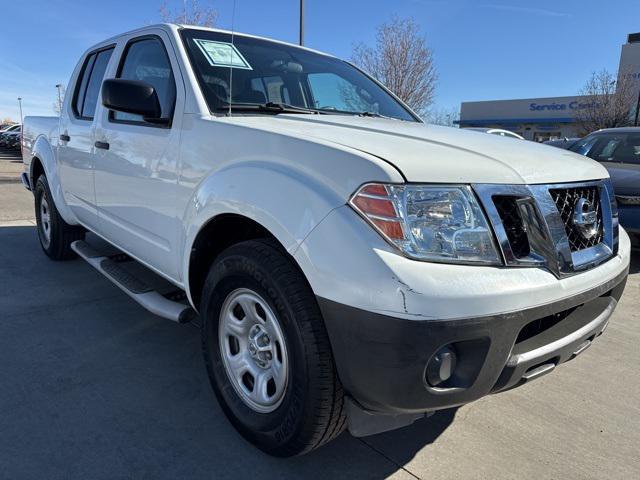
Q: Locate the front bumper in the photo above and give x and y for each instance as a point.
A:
(381, 359)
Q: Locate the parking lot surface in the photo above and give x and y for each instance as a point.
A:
(96, 387)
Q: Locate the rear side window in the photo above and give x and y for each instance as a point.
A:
(146, 60)
(89, 83)
(81, 87)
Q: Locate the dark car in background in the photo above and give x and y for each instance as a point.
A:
(565, 143)
(618, 149)
(13, 140)
(7, 134)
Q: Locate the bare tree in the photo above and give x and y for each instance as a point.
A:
(402, 61)
(608, 102)
(443, 116)
(57, 104)
(7, 120)
(192, 13)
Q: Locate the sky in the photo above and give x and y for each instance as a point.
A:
(484, 49)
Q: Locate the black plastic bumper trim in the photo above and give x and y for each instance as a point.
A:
(381, 359)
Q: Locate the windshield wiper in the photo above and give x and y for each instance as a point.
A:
(366, 113)
(271, 107)
(372, 114)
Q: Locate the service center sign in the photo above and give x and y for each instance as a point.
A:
(525, 109)
(554, 107)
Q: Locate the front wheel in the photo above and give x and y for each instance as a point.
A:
(267, 351)
(56, 235)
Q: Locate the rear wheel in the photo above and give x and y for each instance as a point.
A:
(54, 233)
(267, 351)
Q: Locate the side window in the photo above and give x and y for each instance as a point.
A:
(146, 60)
(95, 83)
(583, 147)
(607, 149)
(89, 83)
(81, 87)
(628, 151)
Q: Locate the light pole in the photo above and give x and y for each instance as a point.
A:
(20, 104)
(301, 22)
(59, 87)
(637, 109)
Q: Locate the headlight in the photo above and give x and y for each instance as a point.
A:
(438, 223)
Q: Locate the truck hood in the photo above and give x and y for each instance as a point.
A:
(429, 153)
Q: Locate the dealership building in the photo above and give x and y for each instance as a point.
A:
(541, 119)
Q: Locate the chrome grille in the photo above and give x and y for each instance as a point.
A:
(534, 224)
(566, 199)
(507, 207)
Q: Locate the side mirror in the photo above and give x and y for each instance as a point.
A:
(132, 96)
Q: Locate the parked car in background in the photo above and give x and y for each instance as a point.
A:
(5, 126)
(7, 130)
(618, 149)
(564, 143)
(8, 134)
(351, 266)
(13, 140)
(496, 131)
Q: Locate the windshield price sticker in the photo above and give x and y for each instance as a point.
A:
(222, 54)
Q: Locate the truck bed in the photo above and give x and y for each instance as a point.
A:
(35, 127)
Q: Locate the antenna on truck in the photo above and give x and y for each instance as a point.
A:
(233, 24)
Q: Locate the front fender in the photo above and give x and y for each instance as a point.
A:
(43, 151)
(286, 202)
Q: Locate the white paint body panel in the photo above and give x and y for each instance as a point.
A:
(155, 189)
(372, 276)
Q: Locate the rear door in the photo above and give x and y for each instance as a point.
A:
(136, 162)
(76, 144)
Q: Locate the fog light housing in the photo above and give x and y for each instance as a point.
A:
(441, 366)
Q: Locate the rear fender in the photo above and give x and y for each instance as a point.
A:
(43, 151)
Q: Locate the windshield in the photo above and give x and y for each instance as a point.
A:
(610, 147)
(270, 73)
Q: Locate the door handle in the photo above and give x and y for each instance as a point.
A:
(102, 145)
(65, 138)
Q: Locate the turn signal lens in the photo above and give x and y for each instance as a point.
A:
(392, 230)
(374, 203)
(375, 206)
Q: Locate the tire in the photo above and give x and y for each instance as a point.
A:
(310, 407)
(55, 235)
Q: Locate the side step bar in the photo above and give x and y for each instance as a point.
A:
(139, 291)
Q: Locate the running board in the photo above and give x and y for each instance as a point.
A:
(150, 299)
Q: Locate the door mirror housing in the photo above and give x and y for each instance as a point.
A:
(132, 96)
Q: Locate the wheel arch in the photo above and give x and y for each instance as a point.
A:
(36, 170)
(245, 201)
(216, 235)
(43, 161)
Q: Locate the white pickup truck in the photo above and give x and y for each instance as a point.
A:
(349, 265)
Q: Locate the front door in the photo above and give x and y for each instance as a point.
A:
(136, 162)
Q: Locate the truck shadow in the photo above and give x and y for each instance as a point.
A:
(99, 388)
(403, 444)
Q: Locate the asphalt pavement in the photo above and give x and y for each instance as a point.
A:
(96, 387)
